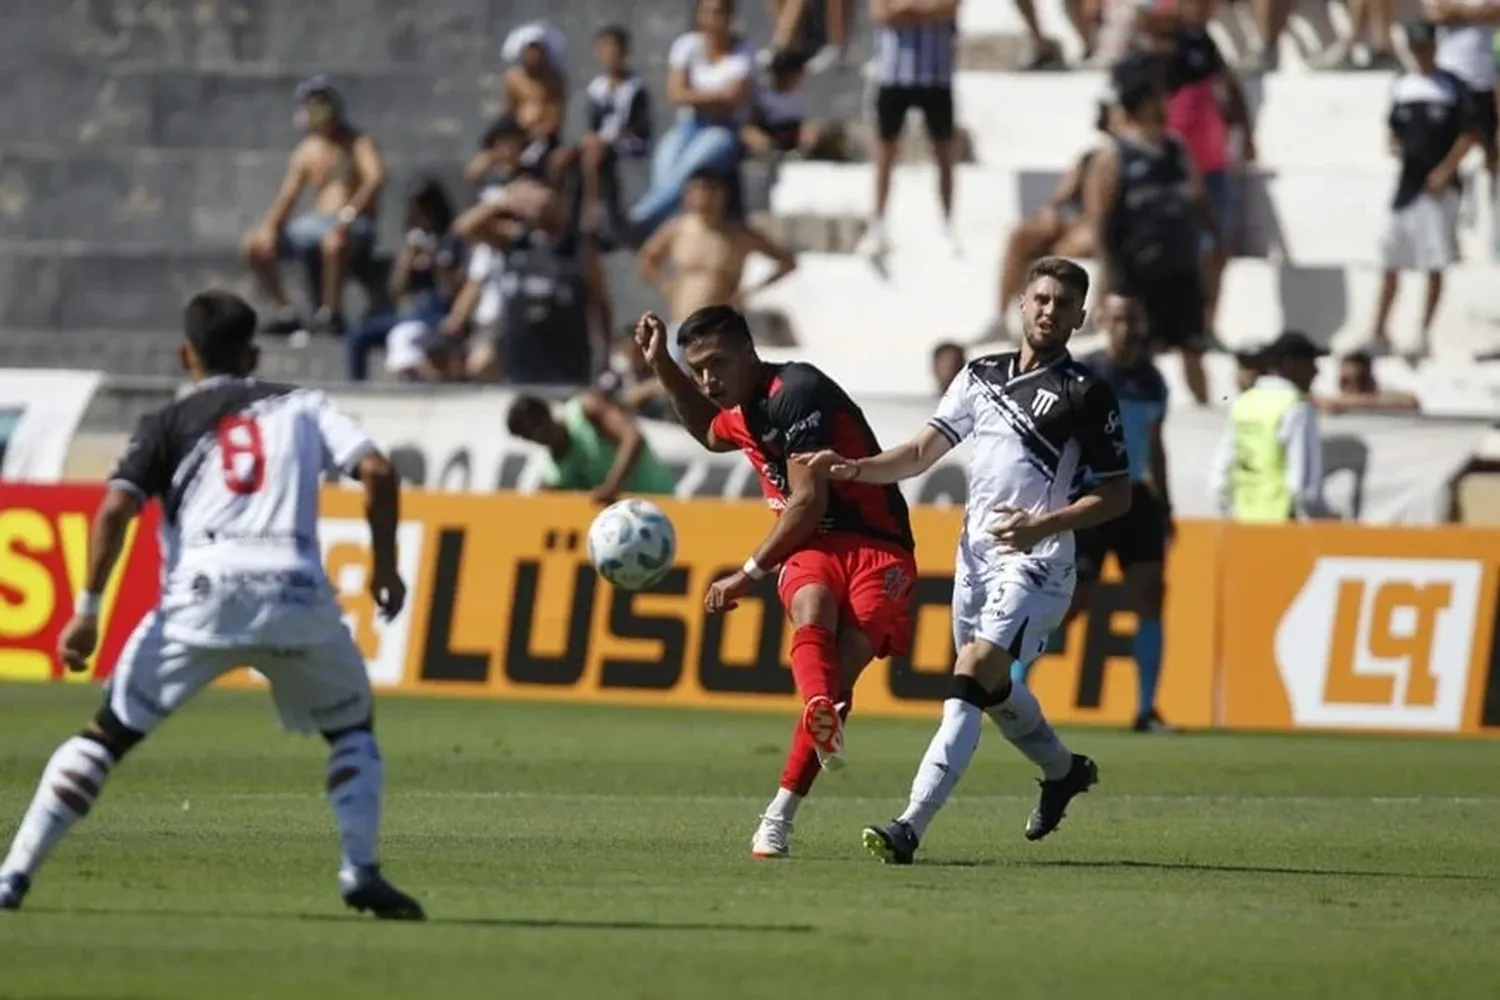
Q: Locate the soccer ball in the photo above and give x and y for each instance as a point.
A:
(632, 544)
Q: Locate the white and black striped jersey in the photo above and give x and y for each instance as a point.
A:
(1032, 432)
(237, 464)
(916, 55)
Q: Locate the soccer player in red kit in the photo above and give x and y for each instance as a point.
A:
(845, 550)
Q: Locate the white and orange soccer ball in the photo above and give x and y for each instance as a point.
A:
(632, 544)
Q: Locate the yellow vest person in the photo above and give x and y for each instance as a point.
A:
(1269, 465)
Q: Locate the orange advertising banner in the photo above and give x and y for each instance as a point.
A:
(503, 603)
(1348, 627)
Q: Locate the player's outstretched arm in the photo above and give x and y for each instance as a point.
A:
(695, 410)
(890, 466)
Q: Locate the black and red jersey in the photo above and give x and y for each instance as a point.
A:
(800, 409)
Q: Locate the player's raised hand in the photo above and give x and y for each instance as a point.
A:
(828, 463)
(389, 592)
(1017, 529)
(76, 645)
(651, 338)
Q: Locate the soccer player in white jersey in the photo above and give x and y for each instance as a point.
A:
(236, 465)
(1036, 416)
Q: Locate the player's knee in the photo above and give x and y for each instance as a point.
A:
(972, 691)
(109, 732)
(332, 736)
(814, 605)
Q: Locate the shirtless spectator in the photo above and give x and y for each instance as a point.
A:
(1058, 229)
(707, 248)
(342, 167)
(1360, 393)
(536, 91)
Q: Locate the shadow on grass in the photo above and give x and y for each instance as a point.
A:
(1204, 866)
(542, 923)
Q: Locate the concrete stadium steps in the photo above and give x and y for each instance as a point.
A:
(424, 70)
(72, 102)
(154, 354)
(840, 307)
(1323, 215)
(85, 286)
(1047, 119)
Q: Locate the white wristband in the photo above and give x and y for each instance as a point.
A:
(87, 604)
(752, 569)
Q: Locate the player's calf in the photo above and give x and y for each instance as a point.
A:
(70, 785)
(356, 786)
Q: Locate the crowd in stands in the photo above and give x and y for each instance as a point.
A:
(512, 288)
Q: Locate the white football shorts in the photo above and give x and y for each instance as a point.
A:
(1014, 604)
(319, 688)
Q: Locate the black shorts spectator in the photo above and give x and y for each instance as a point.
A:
(1174, 306)
(894, 102)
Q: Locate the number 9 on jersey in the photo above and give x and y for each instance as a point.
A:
(632, 544)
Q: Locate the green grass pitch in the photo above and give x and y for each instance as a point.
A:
(584, 852)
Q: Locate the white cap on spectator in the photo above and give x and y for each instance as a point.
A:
(542, 33)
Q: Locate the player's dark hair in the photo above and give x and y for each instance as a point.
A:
(526, 410)
(713, 321)
(1068, 274)
(620, 35)
(1362, 358)
(221, 326)
(1137, 79)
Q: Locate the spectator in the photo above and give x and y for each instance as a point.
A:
(778, 117)
(596, 446)
(549, 297)
(1377, 15)
(1205, 106)
(423, 280)
(501, 157)
(1466, 48)
(710, 74)
(619, 110)
(707, 248)
(630, 381)
(913, 67)
(1269, 464)
(1271, 17)
(791, 20)
(536, 90)
(1046, 52)
(948, 360)
(343, 168)
(1059, 229)
(1432, 127)
(1148, 206)
(1249, 366)
(1359, 392)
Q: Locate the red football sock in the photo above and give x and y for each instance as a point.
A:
(802, 765)
(815, 662)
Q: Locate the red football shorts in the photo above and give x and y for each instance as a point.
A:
(872, 581)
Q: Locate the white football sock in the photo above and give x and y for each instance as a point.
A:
(70, 784)
(947, 757)
(356, 780)
(784, 805)
(1020, 719)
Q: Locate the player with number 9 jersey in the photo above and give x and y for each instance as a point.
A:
(236, 465)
